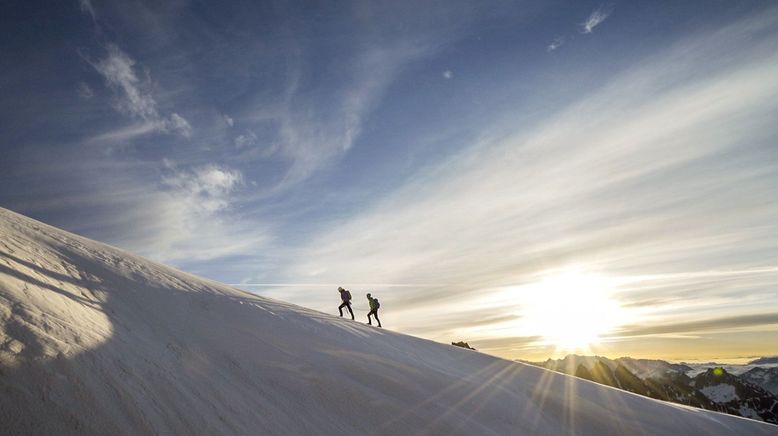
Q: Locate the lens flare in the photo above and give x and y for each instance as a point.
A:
(570, 310)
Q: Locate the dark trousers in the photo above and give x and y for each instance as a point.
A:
(373, 312)
(347, 304)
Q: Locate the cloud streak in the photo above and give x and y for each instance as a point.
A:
(704, 326)
(311, 135)
(206, 189)
(87, 8)
(595, 19)
(84, 91)
(134, 95)
(247, 139)
(185, 217)
(555, 44)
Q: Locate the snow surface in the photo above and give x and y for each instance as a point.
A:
(98, 341)
(720, 393)
(748, 412)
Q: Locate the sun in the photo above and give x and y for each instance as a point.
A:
(570, 310)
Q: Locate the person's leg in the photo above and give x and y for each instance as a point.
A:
(369, 321)
(375, 313)
(348, 305)
(340, 309)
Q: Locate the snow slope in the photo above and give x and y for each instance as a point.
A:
(98, 341)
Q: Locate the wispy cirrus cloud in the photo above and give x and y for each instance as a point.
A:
(295, 125)
(728, 323)
(134, 96)
(117, 68)
(84, 91)
(177, 123)
(596, 18)
(190, 217)
(205, 189)
(122, 134)
(556, 43)
(87, 8)
(311, 134)
(186, 216)
(247, 139)
(171, 212)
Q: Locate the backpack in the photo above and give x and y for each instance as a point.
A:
(377, 304)
(348, 295)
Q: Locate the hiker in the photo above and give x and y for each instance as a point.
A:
(374, 305)
(345, 297)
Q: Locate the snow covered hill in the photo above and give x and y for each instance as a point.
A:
(98, 341)
(766, 378)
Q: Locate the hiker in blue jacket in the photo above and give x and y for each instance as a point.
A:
(345, 297)
(374, 305)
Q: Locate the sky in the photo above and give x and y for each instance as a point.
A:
(502, 173)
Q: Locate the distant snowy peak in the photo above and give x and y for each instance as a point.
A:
(764, 361)
(570, 363)
(767, 378)
(647, 368)
(643, 368)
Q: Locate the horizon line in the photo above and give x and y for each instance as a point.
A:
(371, 285)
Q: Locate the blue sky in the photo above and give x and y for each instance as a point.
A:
(449, 156)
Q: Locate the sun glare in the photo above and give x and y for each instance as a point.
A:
(570, 310)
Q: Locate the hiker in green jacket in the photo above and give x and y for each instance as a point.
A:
(374, 305)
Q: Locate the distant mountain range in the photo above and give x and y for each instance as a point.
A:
(764, 361)
(752, 394)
